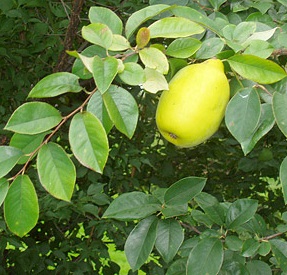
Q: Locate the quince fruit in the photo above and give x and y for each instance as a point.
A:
(192, 109)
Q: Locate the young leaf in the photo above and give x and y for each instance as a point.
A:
(104, 72)
(257, 69)
(155, 59)
(283, 178)
(139, 17)
(106, 16)
(142, 37)
(210, 48)
(4, 187)
(140, 242)
(280, 111)
(33, 118)
(133, 74)
(122, 109)
(240, 212)
(88, 140)
(97, 107)
(98, 34)
(169, 238)
(174, 27)
(154, 81)
(56, 84)
(206, 257)
(242, 114)
(183, 47)
(279, 248)
(139, 206)
(9, 156)
(21, 207)
(184, 190)
(56, 171)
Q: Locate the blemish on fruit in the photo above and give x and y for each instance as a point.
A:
(172, 135)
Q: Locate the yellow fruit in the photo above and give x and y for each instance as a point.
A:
(192, 109)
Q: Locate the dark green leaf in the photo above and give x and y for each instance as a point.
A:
(279, 248)
(256, 267)
(283, 178)
(280, 111)
(178, 267)
(233, 243)
(250, 247)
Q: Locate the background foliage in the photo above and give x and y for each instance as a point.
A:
(242, 205)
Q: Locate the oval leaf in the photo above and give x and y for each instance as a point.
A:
(33, 118)
(257, 69)
(9, 156)
(174, 27)
(56, 171)
(21, 207)
(183, 47)
(184, 190)
(210, 48)
(120, 43)
(56, 84)
(133, 74)
(280, 111)
(88, 140)
(154, 81)
(256, 267)
(122, 109)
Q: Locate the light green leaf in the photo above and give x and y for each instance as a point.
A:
(259, 48)
(183, 47)
(88, 140)
(98, 34)
(174, 27)
(184, 190)
(260, 36)
(120, 43)
(169, 238)
(56, 84)
(139, 206)
(206, 257)
(256, 267)
(33, 118)
(4, 187)
(140, 242)
(279, 248)
(155, 59)
(216, 3)
(56, 171)
(133, 74)
(9, 156)
(97, 107)
(243, 31)
(27, 144)
(210, 48)
(122, 109)
(240, 212)
(155, 81)
(280, 111)
(257, 69)
(141, 16)
(283, 178)
(21, 207)
(106, 16)
(243, 113)
(104, 72)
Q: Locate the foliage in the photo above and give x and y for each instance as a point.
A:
(85, 167)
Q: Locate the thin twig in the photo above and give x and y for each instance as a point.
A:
(271, 236)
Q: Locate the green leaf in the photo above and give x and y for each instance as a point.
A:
(283, 178)
(259, 48)
(98, 34)
(104, 72)
(9, 156)
(216, 3)
(169, 238)
(174, 27)
(56, 171)
(140, 242)
(106, 16)
(256, 267)
(266, 123)
(122, 109)
(21, 207)
(133, 74)
(33, 118)
(233, 243)
(97, 107)
(4, 187)
(174, 210)
(155, 59)
(141, 16)
(279, 248)
(240, 212)
(142, 37)
(243, 31)
(88, 140)
(210, 48)
(56, 84)
(279, 102)
(178, 267)
(139, 206)
(206, 257)
(154, 81)
(250, 247)
(183, 47)
(184, 190)
(120, 43)
(257, 69)
(264, 248)
(243, 113)
(27, 144)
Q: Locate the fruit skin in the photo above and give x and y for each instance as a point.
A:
(192, 109)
